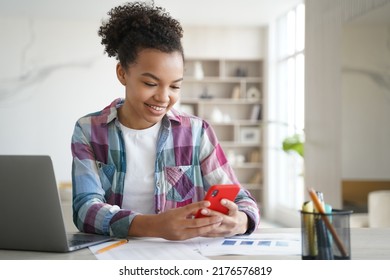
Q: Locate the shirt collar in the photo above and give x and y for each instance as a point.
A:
(112, 110)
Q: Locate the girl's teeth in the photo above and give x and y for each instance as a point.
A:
(156, 108)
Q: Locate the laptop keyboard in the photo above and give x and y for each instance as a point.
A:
(78, 239)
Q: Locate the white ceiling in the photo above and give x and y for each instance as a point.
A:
(189, 12)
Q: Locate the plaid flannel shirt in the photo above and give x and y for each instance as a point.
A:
(189, 160)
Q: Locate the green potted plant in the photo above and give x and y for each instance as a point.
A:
(294, 143)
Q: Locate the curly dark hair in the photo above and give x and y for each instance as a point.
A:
(135, 26)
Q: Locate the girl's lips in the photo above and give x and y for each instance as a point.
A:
(156, 110)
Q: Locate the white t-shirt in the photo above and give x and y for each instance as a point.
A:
(141, 145)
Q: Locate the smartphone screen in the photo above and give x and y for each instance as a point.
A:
(218, 192)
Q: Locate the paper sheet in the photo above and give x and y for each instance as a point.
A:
(150, 249)
(200, 248)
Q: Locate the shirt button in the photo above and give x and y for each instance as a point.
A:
(114, 209)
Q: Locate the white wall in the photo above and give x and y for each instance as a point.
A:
(52, 72)
(323, 91)
(224, 42)
(366, 102)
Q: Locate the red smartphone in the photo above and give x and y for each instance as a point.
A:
(216, 193)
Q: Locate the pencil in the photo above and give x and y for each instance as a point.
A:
(116, 244)
(309, 222)
(321, 209)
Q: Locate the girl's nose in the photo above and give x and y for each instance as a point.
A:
(162, 95)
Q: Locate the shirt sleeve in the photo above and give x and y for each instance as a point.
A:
(91, 212)
(217, 170)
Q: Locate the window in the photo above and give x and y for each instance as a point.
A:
(285, 186)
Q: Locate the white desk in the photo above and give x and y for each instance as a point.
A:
(366, 243)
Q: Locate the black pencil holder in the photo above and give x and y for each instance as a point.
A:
(326, 236)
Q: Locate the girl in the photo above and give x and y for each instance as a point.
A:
(141, 168)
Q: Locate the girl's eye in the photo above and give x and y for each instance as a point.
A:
(175, 87)
(150, 84)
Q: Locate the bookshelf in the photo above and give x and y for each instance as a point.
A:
(227, 93)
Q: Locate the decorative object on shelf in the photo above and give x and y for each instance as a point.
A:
(198, 70)
(254, 156)
(205, 94)
(231, 156)
(189, 109)
(217, 115)
(253, 93)
(227, 118)
(250, 135)
(241, 72)
(240, 159)
(235, 159)
(256, 179)
(236, 93)
(256, 113)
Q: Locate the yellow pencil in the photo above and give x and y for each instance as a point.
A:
(116, 244)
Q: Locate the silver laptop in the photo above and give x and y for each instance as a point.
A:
(30, 209)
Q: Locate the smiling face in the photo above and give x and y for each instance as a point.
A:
(152, 86)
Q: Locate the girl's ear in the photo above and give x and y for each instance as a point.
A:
(120, 73)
